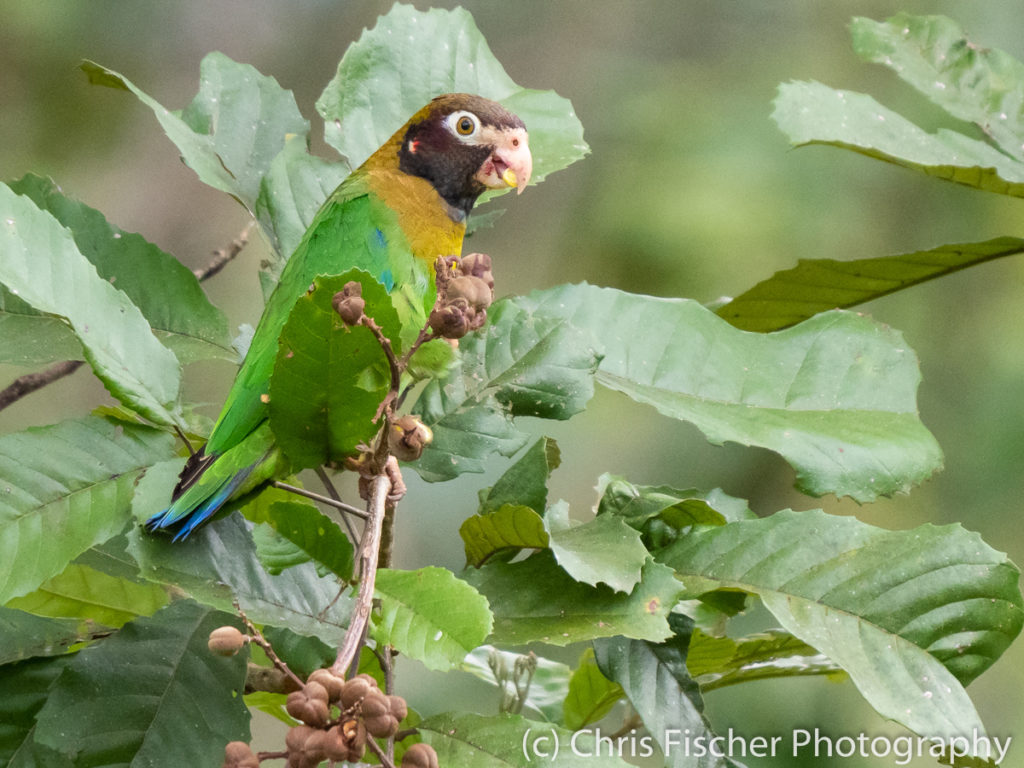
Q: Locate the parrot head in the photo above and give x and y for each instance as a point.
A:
(464, 144)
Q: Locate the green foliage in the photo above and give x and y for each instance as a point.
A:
(655, 679)
(328, 378)
(182, 681)
(430, 615)
(381, 81)
(107, 622)
(818, 285)
(76, 478)
(497, 742)
(115, 337)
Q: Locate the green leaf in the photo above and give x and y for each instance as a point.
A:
(29, 337)
(219, 564)
(835, 396)
(679, 508)
(818, 285)
(719, 661)
(591, 695)
(603, 550)
(526, 481)
(231, 131)
(655, 678)
(26, 687)
(164, 290)
(313, 535)
(812, 113)
(984, 86)
(65, 488)
(535, 600)
(117, 340)
(24, 636)
(82, 592)
(508, 529)
(329, 379)
(524, 362)
(890, 607)
(292, 191)
(150, 695)
(430, 615)
(410, 57)
(511, 741)
(548, 687)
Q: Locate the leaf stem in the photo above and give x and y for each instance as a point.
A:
(331, 502)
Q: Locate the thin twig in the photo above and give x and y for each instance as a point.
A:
(375, 748)
(30, 382)
(223, 256)
(333, 493)
(336, 503)
(367, 561)
(257, 637)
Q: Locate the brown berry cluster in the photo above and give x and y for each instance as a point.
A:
(338, 717)
(349, 303)
(465, 289)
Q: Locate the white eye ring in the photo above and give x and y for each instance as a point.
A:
(465, 125)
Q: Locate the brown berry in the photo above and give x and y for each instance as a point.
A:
(450, 321)
(474, 290)
(375, 703)
(381, 726)
(420, 756)
(407, 438)
(353, 691)
(226, 641)
(331, 683)
(349, 303)
(399, 709)
(309, 705)
(478, 265)
(238, 754)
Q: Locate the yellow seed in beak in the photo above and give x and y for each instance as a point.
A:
(509, 177)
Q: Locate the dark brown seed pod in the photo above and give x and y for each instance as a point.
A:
(353, 691)
(309, 705)
(450, 321)
(420, 756)
(305, 747)
(399, 709)
(331, 683)
(226, 641)
(238, 754)
(349, 303)
(375, 703)
(474, 290)
(381, 726)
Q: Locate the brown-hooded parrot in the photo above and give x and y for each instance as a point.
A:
(393, 217)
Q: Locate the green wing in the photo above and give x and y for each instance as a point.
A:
(352, 229)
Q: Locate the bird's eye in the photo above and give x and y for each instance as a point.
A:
(464, 123)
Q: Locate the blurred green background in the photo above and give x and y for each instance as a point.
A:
(690, 191)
